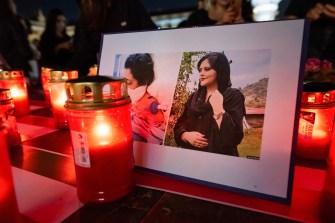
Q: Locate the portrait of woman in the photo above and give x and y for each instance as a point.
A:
(212, 120)
(148, 121)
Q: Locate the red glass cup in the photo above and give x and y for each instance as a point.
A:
(101, 135)
(316, 120)
(7, 107)
(58, 95)
(15, 81)
(8, 205)
(45, 76)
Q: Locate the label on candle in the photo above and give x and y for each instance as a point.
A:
(80, 149)
(307, 120)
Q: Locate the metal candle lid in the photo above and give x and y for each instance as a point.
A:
(318, 94)
(96, 92)
(62, 76)
(5, 96)
(11, 74)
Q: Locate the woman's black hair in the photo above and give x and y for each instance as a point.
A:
(50, 26)
(219, 62)
(142, 68)
(6, 10)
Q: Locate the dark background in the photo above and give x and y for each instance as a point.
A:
(28, 8)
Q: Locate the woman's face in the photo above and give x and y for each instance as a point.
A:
(60, 23)
(207, 74)
(131, 81)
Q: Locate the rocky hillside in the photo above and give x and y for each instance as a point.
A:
(255, 93)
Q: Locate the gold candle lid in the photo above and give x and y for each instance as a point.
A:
(96, 92)
(62, 76)
(318, 94)
(45, 71)
(11, 74)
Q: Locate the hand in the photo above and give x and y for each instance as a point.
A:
(239, 18)
(329, 10)
(65, 45)
(315, 13)
(228, 17)
(196, 139)
(216, 101)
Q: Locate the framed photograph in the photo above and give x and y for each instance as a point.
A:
(215, 105)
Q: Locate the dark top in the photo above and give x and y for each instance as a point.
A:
(200, 16)
(197, 18)
(49, 57)
(198, 116)
(322, 31)
(125, 15)
(14, 45)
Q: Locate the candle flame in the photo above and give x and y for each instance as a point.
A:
(16, 92)
(103, 133)
(61, 99)
(102, 129)
(320, 133)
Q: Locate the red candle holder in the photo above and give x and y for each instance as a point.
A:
(7, 107)
(58, 95)
(316, 120)
(327, 200)
(15, 81)
(45, 76)
(100, 125)
(93, 70)
(9, 211)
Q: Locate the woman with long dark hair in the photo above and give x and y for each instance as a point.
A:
(104, 16)
(15, 50)
(55, 44)
(213, 115)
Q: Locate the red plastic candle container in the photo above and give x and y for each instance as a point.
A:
(7, 107)
(45, 76)
(100, 125)
(15, 81)
(93, 70)
(8, 205)
(58, 95)
(316, 120)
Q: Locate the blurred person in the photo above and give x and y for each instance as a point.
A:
(216, 12)
(55, 44)
(212, 120)
(33, 62)
(321, 13)
(104, 16)
(14, 45)
(148, 121)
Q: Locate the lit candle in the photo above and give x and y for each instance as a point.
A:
(327, 201)
(45, 76)
(8, 205)
(7, 107)
(316, 120)
(93, 70)
(101, 137)
(15, 81)
(58, 95)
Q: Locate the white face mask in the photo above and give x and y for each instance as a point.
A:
(137, 93)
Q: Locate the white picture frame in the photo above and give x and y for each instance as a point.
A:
(274, 50)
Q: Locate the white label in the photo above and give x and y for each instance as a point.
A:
(80, 149)
(306, 124)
